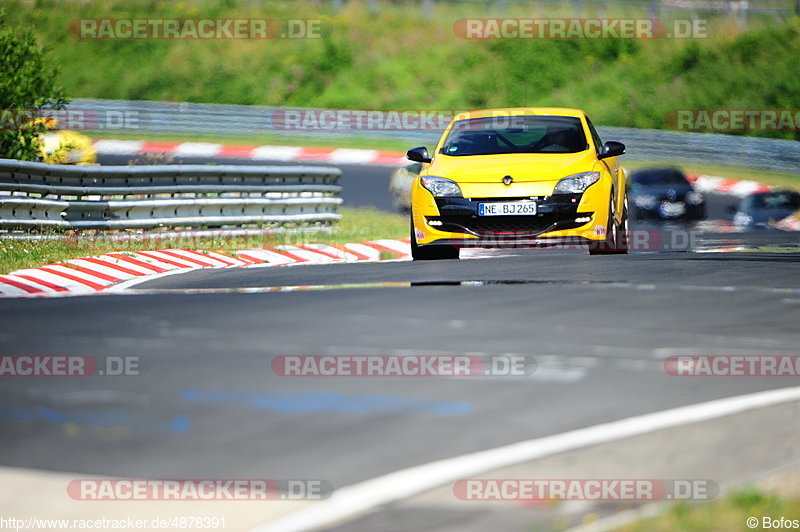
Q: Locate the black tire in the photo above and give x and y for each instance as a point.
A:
(430, 252)
(616, 242)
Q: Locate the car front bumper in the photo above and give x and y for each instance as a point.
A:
(563, 219)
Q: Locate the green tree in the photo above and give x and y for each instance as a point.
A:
(27, 86)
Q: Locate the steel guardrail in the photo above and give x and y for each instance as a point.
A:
(146, 197)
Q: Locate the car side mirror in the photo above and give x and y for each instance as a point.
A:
(419, 154)
(611, 149)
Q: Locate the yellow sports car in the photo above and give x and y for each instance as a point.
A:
(528, 177)
(67, 147)
(63, 146)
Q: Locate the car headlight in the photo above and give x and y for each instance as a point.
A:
(645, 201)
(577, 183)
(439, 186)
(742, 219)
(693, 198)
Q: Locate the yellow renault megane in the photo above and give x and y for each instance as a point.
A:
(529, 177)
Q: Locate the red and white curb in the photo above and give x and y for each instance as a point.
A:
(254, 153)
(788, 224)
(730, 187)
(88, 275)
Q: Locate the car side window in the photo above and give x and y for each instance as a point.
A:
(598, 144)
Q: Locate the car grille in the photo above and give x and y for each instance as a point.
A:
(459, 215)
(521, 225)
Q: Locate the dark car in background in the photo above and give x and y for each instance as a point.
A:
(663, 194)
(762, 210)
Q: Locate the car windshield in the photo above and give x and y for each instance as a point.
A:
(664, 177)
(778, 200)
(515, 134)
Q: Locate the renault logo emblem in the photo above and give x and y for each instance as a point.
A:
(507, 180)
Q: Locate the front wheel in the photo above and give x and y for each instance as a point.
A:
(616, 242)
(430, 252)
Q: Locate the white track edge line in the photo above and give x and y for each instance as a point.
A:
(352, 501)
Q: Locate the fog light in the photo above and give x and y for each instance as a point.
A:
(583, 220)
(435, 223)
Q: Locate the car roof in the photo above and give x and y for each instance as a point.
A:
(502, 111)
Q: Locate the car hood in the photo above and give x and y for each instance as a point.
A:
(523, 167)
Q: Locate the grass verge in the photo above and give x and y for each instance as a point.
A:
(729, 513)
(356, 225)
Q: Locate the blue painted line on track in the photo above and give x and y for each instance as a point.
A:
(291, 402)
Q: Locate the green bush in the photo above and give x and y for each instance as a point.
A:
(27, 85)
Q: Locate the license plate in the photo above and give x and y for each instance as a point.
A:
(672, 209)
(507, 208)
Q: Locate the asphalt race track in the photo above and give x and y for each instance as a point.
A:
(573, 307)
(208, 405)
